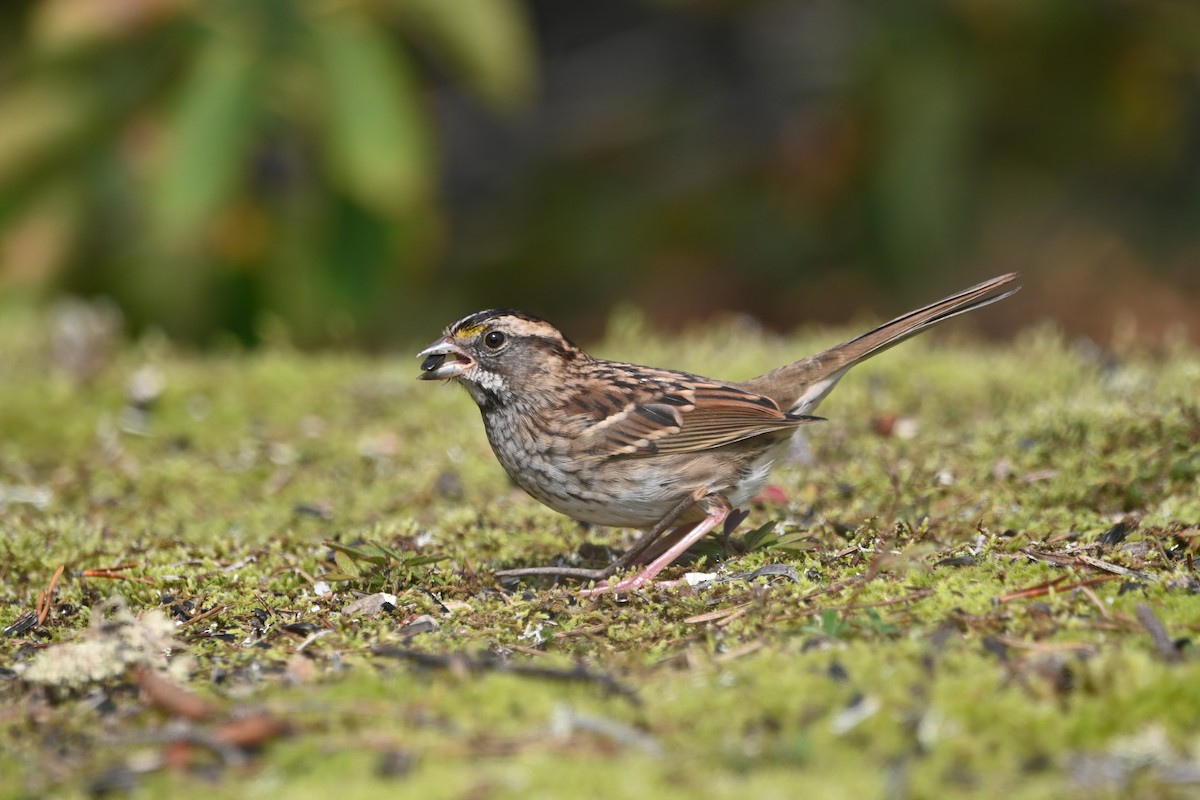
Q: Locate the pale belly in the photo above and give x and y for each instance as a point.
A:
(637, 492)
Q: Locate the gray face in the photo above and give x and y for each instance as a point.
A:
(492, 352)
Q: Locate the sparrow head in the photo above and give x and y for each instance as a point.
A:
(498, 353)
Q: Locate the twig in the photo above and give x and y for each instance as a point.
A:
(116, 576)
(1158, 633)
(833, 588)
(1033, 591)
(643, 543)
(1044, 588)
(554, 572)
(768, 571)
(212, 612)
(566, 721)
(858, 583)
(119, 567)
(231, 740)
(738, 652)
(586, 630)
(1076, 558)
(1057, 559)
(1044, 647)
(720, 613)
(312, 637)
(873, 569)
(46, 597)
(171, 697)
(908, 598)
(1108, 566)
(1090, 594)
(460, 662)
(894, 601)
(179, 737)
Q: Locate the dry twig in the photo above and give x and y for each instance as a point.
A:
(463, 663)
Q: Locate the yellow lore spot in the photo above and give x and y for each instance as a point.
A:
(467, 332)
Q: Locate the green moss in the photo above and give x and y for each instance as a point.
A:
(921, 653)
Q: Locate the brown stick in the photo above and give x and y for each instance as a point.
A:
(636, 549)
(46, 597)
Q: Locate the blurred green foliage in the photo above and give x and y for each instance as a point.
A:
(360, 169)
(207, 162)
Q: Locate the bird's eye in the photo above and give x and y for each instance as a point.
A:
(494, 340)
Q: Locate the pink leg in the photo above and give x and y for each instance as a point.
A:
(718, 508)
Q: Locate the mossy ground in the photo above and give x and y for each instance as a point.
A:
(921, 653)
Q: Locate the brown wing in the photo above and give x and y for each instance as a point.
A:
(698, 416)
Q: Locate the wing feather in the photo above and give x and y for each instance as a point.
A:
(699, 417)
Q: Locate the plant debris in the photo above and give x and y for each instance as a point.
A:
(275, 573)
(108, 648)
(460, 663)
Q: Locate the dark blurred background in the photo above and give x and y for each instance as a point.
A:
(365, 172)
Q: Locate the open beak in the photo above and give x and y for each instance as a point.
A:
(443, 360)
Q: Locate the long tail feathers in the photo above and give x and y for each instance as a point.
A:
(800, 386)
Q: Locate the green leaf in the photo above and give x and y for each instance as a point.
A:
(379, 147)
(796, 542)
(345, 563)
(37, 121)
(369, 553)
(830, 625)
(389, 552)
(762, 536)
(210, 130)
(878, 624)
(421, 561)
(377, 554)
(487, 43)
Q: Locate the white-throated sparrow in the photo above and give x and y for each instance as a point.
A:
(620, 444)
